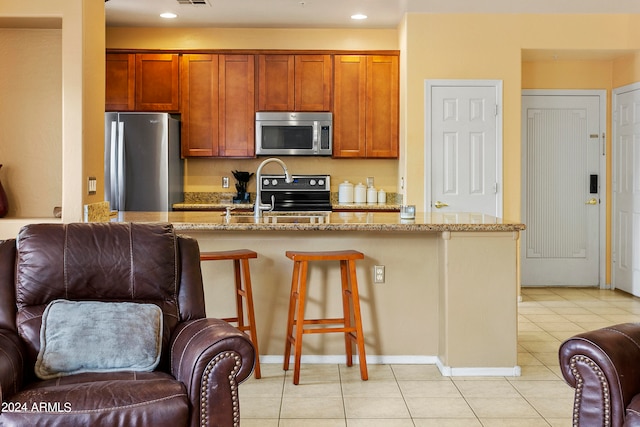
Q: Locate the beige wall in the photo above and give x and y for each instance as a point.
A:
(245, 38)
(31, 120)
(81, 103)
(626, 70)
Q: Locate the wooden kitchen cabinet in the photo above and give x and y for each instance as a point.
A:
(366, 106)
(217, 106)
(294, 82)
(199, 105)
(120, 81)
(142, 82)
(236, 105)
(157, 82)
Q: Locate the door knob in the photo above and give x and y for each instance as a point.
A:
(439, 204)
(592, 201)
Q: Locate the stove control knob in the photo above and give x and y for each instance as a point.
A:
(265, 182)
(274, 182)
(321, 182)
(312, 182)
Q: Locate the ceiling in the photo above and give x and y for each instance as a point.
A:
(329, 13)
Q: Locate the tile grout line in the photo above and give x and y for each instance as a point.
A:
(395, 378)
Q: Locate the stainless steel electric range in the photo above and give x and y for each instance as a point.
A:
(307, 193)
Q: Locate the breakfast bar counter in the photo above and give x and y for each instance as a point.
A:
(448, 297)
(321, 221)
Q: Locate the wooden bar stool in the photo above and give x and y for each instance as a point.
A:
(350, 306)
(240, 257)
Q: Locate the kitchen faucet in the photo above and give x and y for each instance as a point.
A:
(259, 206)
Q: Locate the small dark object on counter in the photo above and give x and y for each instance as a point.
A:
(242, 176)
(241, 186)
(244, 198)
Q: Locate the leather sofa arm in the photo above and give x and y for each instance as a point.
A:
(211, 357)
(12, 360)
(604, 368)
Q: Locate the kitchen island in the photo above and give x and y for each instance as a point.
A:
(449, 295)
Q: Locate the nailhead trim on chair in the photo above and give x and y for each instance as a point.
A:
(580, 385)
(204, 417)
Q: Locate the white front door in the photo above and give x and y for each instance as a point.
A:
(463, 147)
(562, 141)
(626, 189)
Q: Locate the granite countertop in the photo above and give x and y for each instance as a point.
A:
(316, 221)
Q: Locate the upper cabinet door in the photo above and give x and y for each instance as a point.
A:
(294, 82)
(313, 78)
(382, 106)
(276, 82)
(366, 106)
(349, 106)
(199, 105)
(120, 72)
(157, 82)
(237, 106)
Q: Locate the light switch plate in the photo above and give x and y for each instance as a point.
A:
(92, 185)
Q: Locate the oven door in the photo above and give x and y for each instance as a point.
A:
(296, 201)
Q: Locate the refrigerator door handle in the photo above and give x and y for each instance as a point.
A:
(121, 166)
(113, 167)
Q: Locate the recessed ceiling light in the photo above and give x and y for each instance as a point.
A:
(359, 16)
(168, 15)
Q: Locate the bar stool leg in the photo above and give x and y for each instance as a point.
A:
(355, 297)
(248, 294)
(293, 299)
(346, 310)
(302, 297)
(241, 272)
(239, 294)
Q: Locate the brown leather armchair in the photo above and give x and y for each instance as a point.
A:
(202, 360)
(604, 368)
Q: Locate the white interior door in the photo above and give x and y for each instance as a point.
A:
(464, 147)
(626, 189)
(561, 192)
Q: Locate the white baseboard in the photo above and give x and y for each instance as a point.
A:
(446, 371)
(373, 360)
(507, 371)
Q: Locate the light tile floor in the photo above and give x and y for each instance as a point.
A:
(418, 396)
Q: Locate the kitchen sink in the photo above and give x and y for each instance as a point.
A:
(279, 218)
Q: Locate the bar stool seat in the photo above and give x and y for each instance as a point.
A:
(240, 259)
(350, 305)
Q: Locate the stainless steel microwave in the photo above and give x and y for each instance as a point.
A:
(294, 134)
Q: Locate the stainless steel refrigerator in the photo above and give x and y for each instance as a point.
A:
(143, 170)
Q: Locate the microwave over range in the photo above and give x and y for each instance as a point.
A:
(294, 134)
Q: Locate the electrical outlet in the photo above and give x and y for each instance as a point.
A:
(378, 274)
(225, 182)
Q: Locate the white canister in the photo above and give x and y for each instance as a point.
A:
(382, 196)
(360, 193)
(372, 195)
(345, 192)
